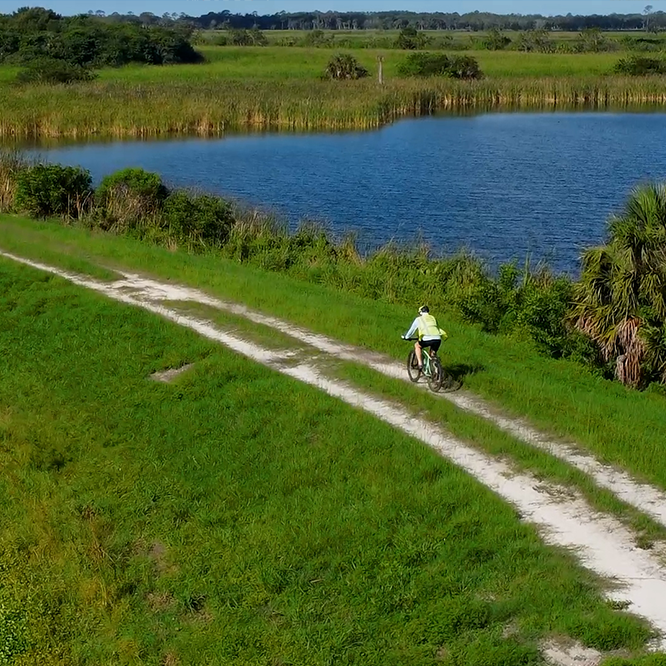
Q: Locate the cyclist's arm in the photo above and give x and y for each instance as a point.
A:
(413, 329)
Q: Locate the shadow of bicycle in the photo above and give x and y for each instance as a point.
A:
(456, 375)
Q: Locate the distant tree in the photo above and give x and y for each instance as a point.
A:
(647, 12)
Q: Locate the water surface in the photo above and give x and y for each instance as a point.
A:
(506, 185)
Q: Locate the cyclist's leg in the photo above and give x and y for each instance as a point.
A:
(419, 354)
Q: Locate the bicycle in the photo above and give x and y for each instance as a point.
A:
(433, 370)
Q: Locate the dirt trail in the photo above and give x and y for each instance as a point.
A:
(602, 543)
(644, 497)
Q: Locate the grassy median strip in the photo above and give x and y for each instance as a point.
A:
(260, 334)
(239, 517)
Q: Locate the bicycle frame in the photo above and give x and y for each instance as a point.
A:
(427, 358)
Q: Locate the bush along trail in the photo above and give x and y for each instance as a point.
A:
(603, 544)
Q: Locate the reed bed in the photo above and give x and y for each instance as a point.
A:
(117, 109)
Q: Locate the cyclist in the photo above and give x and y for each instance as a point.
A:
(430, 334)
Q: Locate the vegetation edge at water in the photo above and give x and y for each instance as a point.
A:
(149, 110)
(614, 326)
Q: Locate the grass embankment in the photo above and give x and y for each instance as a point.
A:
(238, 517)
(279, 87)
(619, 425)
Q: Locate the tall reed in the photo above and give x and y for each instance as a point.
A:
(11, 162)
(117, 109)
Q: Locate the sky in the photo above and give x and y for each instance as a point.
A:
(198, 7)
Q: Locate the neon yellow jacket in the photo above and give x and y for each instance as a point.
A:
(427, 327)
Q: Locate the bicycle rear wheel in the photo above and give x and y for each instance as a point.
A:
(436, 375)
(413, 367)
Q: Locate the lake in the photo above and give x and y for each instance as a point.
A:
(505, 185)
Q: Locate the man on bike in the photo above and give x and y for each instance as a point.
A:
(430, 334)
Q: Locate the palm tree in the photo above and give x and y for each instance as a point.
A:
(620, 300)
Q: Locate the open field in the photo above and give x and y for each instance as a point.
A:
(280, 88)
(620, 426)
(237, 517)
(251, 63)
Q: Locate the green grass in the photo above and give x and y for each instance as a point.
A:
(242, 518)
(280, 88)
(270, 63)
(619, 425)
(65, 256)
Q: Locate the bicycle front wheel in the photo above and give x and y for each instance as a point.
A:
(436, 375)
(413, 367)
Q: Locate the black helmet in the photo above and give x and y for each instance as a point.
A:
(424, 309)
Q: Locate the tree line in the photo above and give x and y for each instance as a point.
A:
(33, 35)
(646, 19)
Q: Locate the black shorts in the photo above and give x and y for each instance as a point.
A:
(433, 344)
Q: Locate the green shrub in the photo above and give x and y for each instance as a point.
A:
(424, 64)
(496, 40)
(49, 70)
(345, 66)
(49, 190)
(252, 37)
(197, 219)
(537, 41)
(464, 67)
(318, 38)
(640, 66)
(30, 35)
(410, 39)
(129, 196)
(440, 64)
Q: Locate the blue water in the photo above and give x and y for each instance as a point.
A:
(504, 185)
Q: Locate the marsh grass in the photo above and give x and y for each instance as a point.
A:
(11, 164)
(239, 517)
(255, 88)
